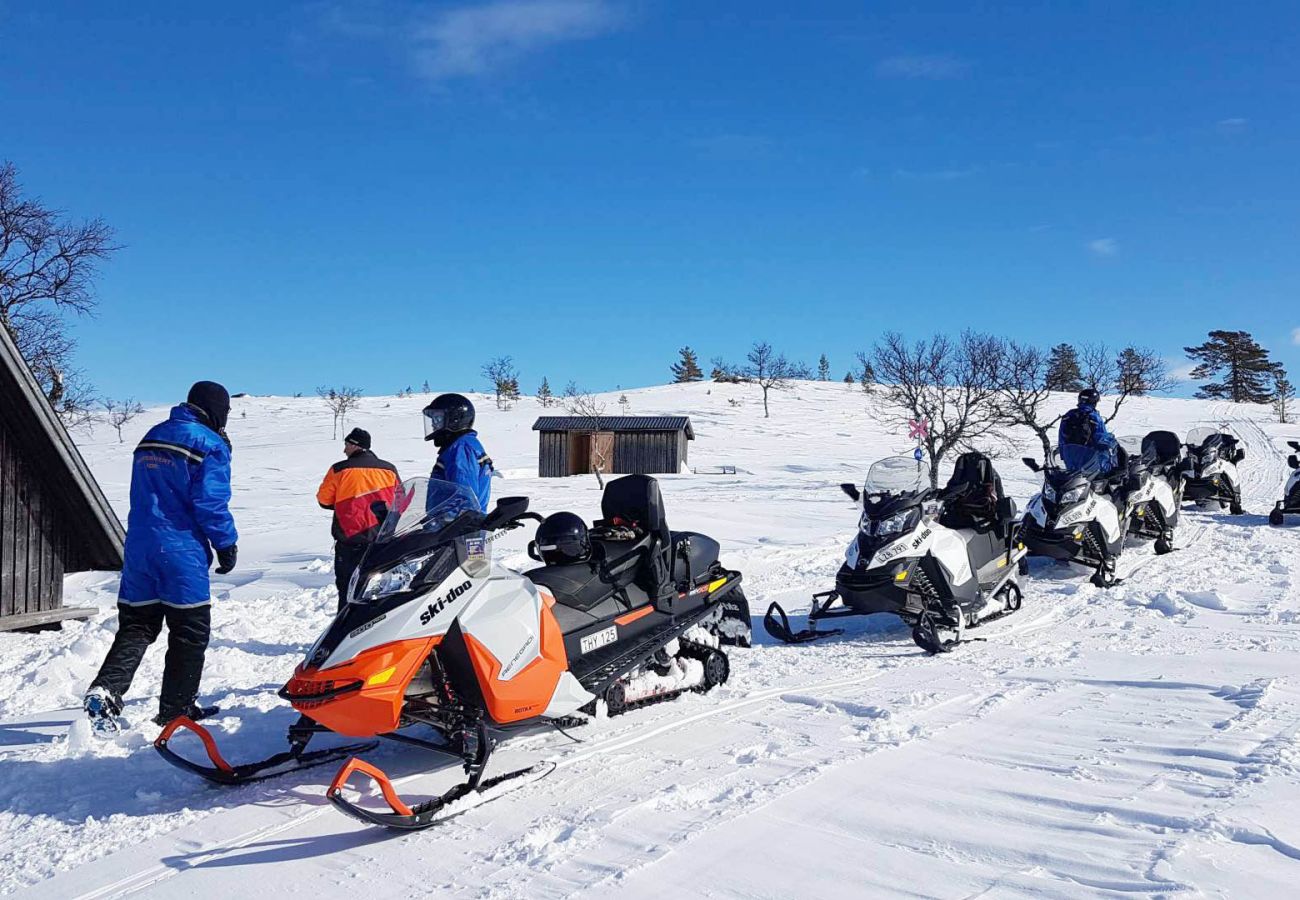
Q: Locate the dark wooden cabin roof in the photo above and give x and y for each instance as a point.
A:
(615, 423)
(91, 524)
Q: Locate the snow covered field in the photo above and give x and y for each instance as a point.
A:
(1137, 741)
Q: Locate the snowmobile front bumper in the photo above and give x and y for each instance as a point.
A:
(222, 772)
(1202, 490)
(1068, 545)
(874, 591)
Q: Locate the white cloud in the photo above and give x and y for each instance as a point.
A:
(1104, 246)
(471, 41)
(1295, 336)
(1231, 125)
(1179, 370)
(933, 67)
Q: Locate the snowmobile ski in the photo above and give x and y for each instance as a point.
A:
(777, 623)
(222, 772)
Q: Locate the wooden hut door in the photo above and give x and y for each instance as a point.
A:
(602, 452)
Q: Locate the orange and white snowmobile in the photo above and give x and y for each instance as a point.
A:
(436, 634)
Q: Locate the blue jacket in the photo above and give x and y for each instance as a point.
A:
(1101, 438)
(465, 462)
(180, 512)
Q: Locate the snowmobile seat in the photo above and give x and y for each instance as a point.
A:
(974, 495)
(576, 585)
(693, 557)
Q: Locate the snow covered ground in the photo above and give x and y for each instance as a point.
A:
(1136, 741)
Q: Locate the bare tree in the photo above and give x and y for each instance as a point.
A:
(120, 412)
(724, 372)
(578, 402)
(47, 271)
(340, 401)
(504, 377)
(770, 370)
(1021, 378)
(1133, 372)
(950, 385)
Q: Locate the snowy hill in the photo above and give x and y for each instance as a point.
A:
(1140, 740)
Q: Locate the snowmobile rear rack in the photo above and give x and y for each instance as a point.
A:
(222, 772)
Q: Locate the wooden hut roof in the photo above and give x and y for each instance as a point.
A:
(92, 524)
(615, 423)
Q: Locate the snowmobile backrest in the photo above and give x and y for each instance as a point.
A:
(975, 491)
(635, 500)
(1166, 446)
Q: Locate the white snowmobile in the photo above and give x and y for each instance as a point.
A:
(437, 634)
(1290, 502)
(1076, 516)
(942, 560)
(1152, 490)
(1210, 470)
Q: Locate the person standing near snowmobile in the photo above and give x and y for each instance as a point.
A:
(449, 423)
(1083, 426)
(179, 519)
(351, 488)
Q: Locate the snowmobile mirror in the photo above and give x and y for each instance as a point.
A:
(1294, 445)
(507, 510)
(851, 490)
(1006, 509)
(1293, 461)
(1238, 456)
(1031, 463)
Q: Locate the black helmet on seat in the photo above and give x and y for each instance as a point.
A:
(562, 538)
(447, 416)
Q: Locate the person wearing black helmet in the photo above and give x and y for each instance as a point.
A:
(1083, 426)
(449, 423)
(179, 522)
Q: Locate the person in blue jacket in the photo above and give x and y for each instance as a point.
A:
(1083, 426)
(179, 521)
(449, 423)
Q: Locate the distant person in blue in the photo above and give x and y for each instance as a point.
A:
(449, 423)
(1083, 426)
(179, 521)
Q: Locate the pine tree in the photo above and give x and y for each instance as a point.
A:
(823, 369)
(1242, 365)
(848, 378)
(1063, 372)
(1283, 395)
(544, 395)
(868, 378)
(687, 368)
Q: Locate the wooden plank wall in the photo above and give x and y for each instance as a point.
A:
(643, 452)
(32, 551)
(553, 454)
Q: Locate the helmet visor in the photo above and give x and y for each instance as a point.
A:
(435, 420)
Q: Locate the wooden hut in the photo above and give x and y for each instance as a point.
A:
(54, 519)
(616, 445)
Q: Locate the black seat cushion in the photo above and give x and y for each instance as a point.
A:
(575, 585)
(977, 505)
(1166, 446)
(635, 501)
(694, 553)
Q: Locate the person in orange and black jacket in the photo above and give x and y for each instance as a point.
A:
(351, 488)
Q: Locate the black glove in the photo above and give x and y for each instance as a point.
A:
(226, 559)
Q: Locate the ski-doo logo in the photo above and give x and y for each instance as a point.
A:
(433, 609)
(920, 538)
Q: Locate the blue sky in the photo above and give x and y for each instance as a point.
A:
(380, 193)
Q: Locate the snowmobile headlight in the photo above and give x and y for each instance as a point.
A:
(395, 579)
(1074, 495)
(895, 524)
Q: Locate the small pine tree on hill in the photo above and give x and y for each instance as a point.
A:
(687, 369)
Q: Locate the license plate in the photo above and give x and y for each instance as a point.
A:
(600, 639)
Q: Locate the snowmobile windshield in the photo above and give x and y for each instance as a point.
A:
(430, 505)
(1080, 460)
(1200, 434)
(897, 475)
(1139, 456)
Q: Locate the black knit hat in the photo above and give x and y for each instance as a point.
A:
(360, 437)
(213, 401)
